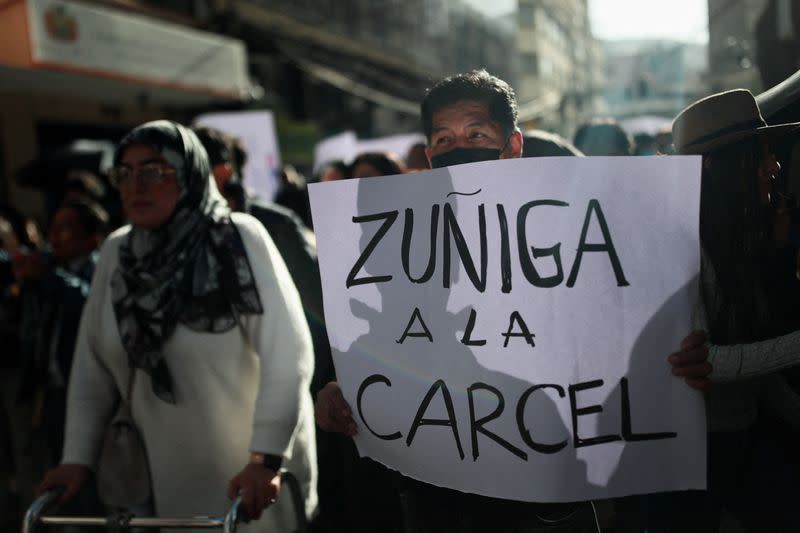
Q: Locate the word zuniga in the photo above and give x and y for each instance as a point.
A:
(452, 234)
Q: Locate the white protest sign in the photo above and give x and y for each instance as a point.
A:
(256, 130)
(502, 328)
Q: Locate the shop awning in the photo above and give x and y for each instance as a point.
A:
(99, 52)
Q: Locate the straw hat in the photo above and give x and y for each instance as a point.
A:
(719, 120)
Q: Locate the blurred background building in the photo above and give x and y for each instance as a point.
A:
(653, 78)
(732, 43)
(560, 65)
(753, 44)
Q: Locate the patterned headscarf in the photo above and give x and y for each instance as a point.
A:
(193, 269)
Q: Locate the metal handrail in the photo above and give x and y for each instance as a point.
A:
(296, 494)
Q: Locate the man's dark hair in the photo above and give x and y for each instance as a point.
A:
(218, 145)
(475, 85)
(93, 218)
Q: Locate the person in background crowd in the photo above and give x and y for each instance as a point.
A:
(466, 118)
(293, 240)
(416, 158)
(539, 143)
(15, 435)
(335, 170)
(602, 137)
(198, 304)
(644, 144)
(747, 322)
(663, 142)
(371, 164)
(293, 194)
(340, 473)
(55, 287)
(84, 184)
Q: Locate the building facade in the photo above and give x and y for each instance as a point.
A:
(560, 74)
(654, 78)
(93, 70)
(732, 44)
(361, 65)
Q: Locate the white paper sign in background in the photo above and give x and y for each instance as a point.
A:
(346, 146)
(256, 130)
(533, 367)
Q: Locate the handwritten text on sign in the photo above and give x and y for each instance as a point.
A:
(502, 327)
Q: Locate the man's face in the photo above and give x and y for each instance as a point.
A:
(467, 124)
(148, 203)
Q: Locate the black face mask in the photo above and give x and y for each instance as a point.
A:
(460, 155)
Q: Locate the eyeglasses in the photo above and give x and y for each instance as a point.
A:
(149, 174)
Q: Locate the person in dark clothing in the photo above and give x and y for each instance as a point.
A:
(14, 434)
(467, 118)
(292, 238)
(54, 291)
(293, 194)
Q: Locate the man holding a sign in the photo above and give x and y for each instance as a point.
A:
(480, 357)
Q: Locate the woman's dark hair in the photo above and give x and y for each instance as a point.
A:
(475, 85)
(736, 234)
(385, 164)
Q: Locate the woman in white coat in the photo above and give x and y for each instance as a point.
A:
(197, 302)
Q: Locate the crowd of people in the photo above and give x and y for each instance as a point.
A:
(201, 308)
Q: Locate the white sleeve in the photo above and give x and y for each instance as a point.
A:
(742, 361)
(92, 393)
(736, 362)
(280, 336)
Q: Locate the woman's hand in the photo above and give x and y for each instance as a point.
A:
(691, 362)
(258, 486)
(332, 412)
(69, 476)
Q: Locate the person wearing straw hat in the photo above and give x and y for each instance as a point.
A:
(746, 328)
